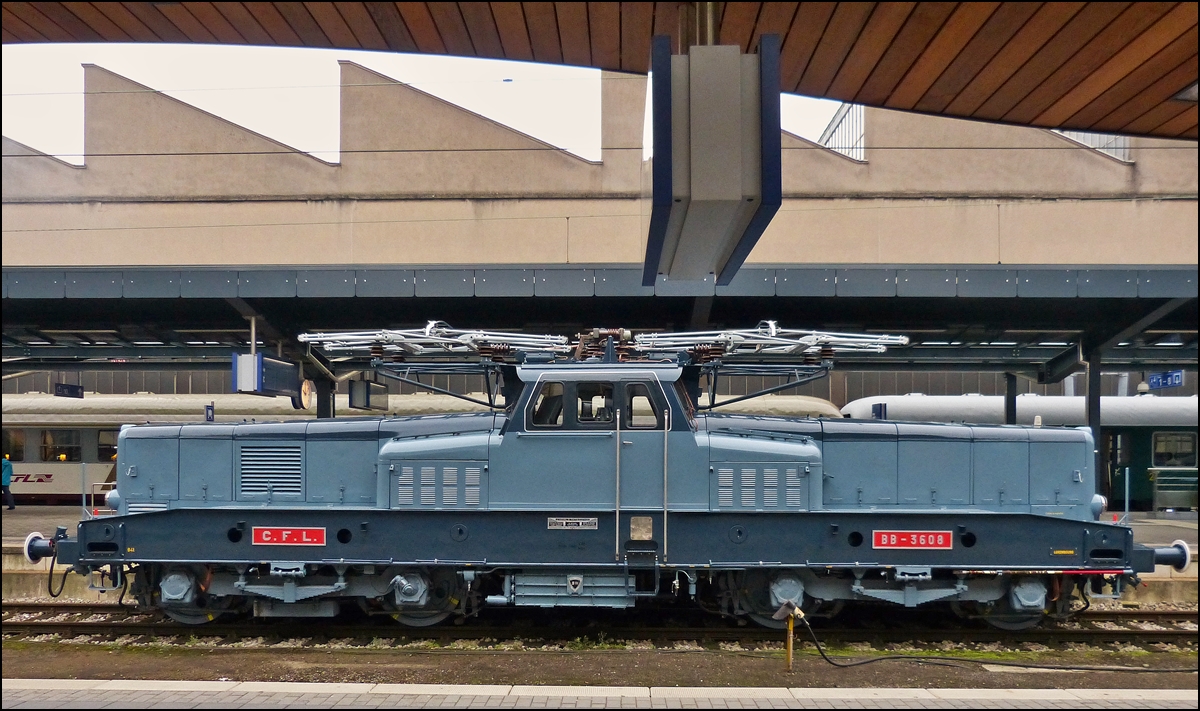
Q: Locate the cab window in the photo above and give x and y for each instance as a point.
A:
(593, 404)
(106, 446)
(547, 410)
(61, 446)
(1174, 449)
(14, 445)
(641, 413)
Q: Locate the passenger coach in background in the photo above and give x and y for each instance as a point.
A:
(599, 476)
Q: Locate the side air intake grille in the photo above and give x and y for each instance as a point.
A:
(274, 469)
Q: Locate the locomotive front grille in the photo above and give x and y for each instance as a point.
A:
(274, 470)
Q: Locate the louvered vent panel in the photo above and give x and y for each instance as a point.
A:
(272, 469)
(749, 479)
(428, 476)
(724, 487)
(404, 496)
(770, 497)
(449, 496)
(471, 496)
(428, 495)
(472, 476)
(147, 507)
(450, 476)
(793, 477)
(794, 497)
(406, 476)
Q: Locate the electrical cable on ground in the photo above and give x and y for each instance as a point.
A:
(1022, 665)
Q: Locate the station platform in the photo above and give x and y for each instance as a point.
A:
(73, 693)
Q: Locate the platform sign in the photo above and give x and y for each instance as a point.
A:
(64, 390)
(255, 374)
(1170, 379)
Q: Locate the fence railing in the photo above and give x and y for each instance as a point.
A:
(846, 132)
(1106, 143)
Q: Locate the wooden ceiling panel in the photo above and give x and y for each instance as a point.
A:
(64, 18)
(737, 23)
(1032, 36)
(1107, 67)
(1170, 59)
(1088, 23)
(421, 26)
(1140, 49)
(215, 22)
(945, 47)
(886, 21)
(513, 30)
(481, 25)
(92, 17)
(1005, 23)
(1157, 94)
(774, 18)
(451, 28)
(573, 29)
(543, 31)
(19, 30)
(918, 31)
(238, 16)
(391, 26)
(1102, 48)
(1179, 124)
(187, 23)
(637, 26)
(604, 26)
(44, 26)
(801, 40)
(839, 37)
(302, 23)
(362, 23)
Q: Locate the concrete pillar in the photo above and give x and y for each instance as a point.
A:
(1010, 399)
(622, 118)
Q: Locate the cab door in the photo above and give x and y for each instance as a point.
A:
(559, 451)
(643, 442)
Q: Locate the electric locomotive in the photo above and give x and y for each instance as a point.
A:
(599, 476)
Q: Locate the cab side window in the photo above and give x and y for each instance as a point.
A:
(593, 404)
(547, 410)
(641, 412)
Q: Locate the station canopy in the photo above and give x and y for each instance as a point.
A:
(1106, 67)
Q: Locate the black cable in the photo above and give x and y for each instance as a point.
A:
(124, 587)
(50, 576)
(1022, 665)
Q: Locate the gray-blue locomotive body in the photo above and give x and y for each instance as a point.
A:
(601, 485)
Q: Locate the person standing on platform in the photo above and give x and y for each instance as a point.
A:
(8, 497)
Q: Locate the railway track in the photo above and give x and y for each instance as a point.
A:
(107, 621)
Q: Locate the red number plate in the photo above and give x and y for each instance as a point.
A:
(938, 540)
(277, 536)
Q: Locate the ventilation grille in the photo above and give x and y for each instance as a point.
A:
(439, 485)
(275, 470)
(147, 507)
(761, 487)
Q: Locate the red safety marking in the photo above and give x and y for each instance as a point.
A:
(279, 536)
(937, 540)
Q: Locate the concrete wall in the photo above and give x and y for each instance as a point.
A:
(424, 182)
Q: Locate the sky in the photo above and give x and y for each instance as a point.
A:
(291, 94)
